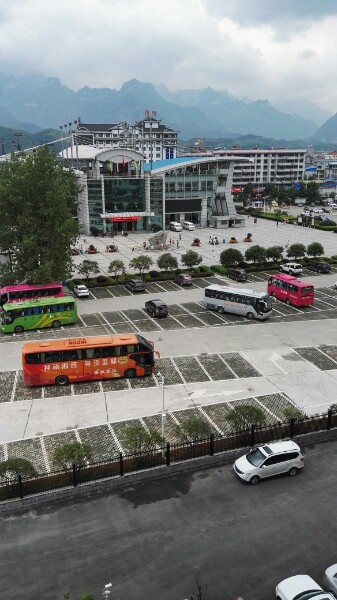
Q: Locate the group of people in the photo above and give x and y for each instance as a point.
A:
(213, 240)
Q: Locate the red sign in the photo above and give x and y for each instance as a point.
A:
(114, 219)
(236, 190)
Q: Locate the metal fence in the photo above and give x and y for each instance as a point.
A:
(121, 464)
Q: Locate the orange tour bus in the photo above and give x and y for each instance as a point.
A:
(61, 362)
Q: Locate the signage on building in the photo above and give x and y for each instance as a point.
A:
(114, 219)
(236, 190)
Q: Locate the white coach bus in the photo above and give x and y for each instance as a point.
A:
(248, 303)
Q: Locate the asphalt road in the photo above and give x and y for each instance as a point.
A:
(153, 541)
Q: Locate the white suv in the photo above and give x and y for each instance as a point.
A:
(271, 459)
(291, 268)
(301, 587)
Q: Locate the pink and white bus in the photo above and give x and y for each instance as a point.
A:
(291, 290)
(25, 291)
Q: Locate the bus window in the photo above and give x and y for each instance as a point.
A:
(51, 357)
(69, 355)
(33, 359)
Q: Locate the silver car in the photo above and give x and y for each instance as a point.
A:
(330, 579)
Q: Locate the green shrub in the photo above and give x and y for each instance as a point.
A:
(146, 277)
(101, 279)
(121, 279)
(219, 269)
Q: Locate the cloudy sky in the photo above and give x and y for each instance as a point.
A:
(274, 49)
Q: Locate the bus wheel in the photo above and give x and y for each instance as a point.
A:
(61, 380)
(19, 329)
(130, 373)
(56, 324)
(220, 309)
(250, 316)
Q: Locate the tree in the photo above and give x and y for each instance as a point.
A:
(256, 254)
(231, 257)
(167, 262)
(193, 429)
(116, 266)
(292, 412)
(141, 263)
(87, 267)
(136, 439)
(296, 251)
(38, 200)
(12, 467)
(274, 252)
(244, 416)
(315, 249)
(191, 259)
(73, 453)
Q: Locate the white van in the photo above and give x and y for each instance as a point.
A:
(188, 225)
(175, 226)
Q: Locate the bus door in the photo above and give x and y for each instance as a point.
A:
(144, 362)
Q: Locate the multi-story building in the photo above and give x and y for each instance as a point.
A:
(148, 136)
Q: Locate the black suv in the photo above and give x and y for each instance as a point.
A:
(319, 267)
(237, 274)
(135, 285)
(156, 308)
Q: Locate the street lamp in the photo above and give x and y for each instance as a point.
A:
(161, 382)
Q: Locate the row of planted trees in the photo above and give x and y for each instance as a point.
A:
(258, 254)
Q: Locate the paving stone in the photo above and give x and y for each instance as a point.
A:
(86, 387)
(121, 290)
(218, 413)
(215, 367)
(153, 288)
(7, 379)
(167, 368)
(170, 426)
(142, 382)
(270, 420)
(114, 317)
(190, 369)
(114, 385)
(276, 403)
(240, 366)
(31, 450)
(177, 309)
(102, 292)
(126, 328)
(320, 360)
(149, 325)
(102, 443)
(120, 427)
(211, 318)
(330, 351)
(2, 453)
(92, 319)
(170, 323)
(134, 314)
(22, 392)
(193, 307)
(168, 286)
(189, 321)
(56, 391)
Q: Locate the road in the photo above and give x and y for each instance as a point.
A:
(155, 539)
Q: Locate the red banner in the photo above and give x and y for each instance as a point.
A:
(236, 190)
(114, 219)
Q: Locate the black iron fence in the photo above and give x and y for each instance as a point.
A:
(122, 464)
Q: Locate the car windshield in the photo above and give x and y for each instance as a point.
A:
(255, 457)
(310, 594)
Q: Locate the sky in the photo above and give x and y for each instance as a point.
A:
(278, 50)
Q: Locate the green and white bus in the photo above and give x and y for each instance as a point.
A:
(248, 303)
(16, 317)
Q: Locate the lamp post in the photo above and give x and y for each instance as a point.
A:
(161, 382)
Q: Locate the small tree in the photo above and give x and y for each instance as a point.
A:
(256, 254)
(191, 259)
(315, 249)
(115, 267)
(16, 466)
(73, 453)
(141, 263)
(244, 416)
(87, 267)
(296, 251)
(136, 439)
(274, 252)
(292, 412)
(167, 262)
(231, 257)
(193, 429)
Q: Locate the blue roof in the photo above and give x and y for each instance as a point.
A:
(171, 162)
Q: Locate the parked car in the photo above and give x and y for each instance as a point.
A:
(156, 308)
(237, 274)
(330, 579)
(333, 205)
(135, 285)
(274, 458)
(81, 291)
(183, 279)
(301, 587)
(291, 268)
(306, 213)
(175, 226)
(319, 211)
(319, 267)
(188, 225)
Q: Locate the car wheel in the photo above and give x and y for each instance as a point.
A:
(220, 310)
(19, 329)
(61, 380)
(56, 324)
(254, 480)
(130, 373)
(250, 316)
(287, 301)
(293, 471)
(152, 315)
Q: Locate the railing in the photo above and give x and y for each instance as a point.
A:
(121, 464)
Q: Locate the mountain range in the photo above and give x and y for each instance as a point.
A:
(34, 103)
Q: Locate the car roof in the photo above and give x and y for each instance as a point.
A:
(158, 301)
(277, 447)
(137, 280)
(81, 286)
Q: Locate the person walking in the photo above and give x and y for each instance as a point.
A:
(277, 223)
(179, 236)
